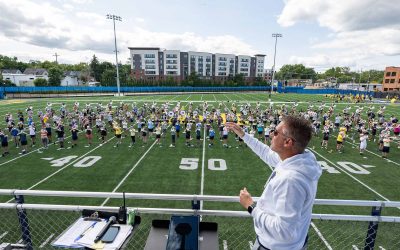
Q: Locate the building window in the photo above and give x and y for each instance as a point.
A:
(150, 67)
(393, 73)
(149, 56)
(386, 80)
(171, 56)
(391, 80)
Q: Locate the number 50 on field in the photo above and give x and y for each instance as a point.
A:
(193, 163)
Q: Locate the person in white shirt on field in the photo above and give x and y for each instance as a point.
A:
(282, 215)
(363, 142)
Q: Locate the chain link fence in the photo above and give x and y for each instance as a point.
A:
(233, 232)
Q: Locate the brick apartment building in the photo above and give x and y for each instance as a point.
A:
(391, 80)
(151, 63)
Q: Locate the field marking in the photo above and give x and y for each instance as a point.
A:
(215, 99)
(4, 234)
(391, 161)
(354, 247)
(46, 241)
(351, 176)
(74, 161)
(321, 236)
(251, 244)
(229, 99)
(130, 171)
(188, 97)
(38, 149)
(202, 166)
(225, 244)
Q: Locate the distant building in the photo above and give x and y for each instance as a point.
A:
(361, 86)
(32, 74)
(71, 78)
(391, 80)
(24, 79)
(149, 63)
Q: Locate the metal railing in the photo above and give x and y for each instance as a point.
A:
(35, 226)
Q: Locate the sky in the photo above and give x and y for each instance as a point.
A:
(360, 34)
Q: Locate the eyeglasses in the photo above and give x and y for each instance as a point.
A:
(276, 133)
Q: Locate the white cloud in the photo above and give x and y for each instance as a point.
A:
(361, 29)
(55, 29)
(341, 15)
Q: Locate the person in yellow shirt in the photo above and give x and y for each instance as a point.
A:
(118, 133)
(340, 139)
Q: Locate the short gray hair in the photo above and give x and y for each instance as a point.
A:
(299, 129)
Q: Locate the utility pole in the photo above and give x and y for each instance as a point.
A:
(116, 18)
(56, 55)
(359, 82)
(276, 35)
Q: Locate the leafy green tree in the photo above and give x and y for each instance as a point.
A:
(95, 69)
(296, 71)
(55, 76)
(239, 79)
(108, 77)
(40, 82)
(193, 78)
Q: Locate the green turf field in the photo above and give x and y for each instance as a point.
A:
(160, 169)
(151, 168)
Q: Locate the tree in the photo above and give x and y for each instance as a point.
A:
(38, 82)
(95, 68)
(296, 71)
(108, 77)
(239, 79)
(55, 76)
(193, 78)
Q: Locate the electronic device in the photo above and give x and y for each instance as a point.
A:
(111, 234)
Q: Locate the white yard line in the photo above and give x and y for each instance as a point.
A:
(229, 99)
(321, 236)
(61, 169)
(202, 166)
(46, 241)
(225, 244)
(391, 161)
(188, 97)
(215, 98)
(130, 171)
(251, 244)
(4, 234)
(351, 176)
(354, 247)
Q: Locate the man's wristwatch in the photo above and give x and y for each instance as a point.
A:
(251, 207)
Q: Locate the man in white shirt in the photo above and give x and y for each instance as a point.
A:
(282, 214)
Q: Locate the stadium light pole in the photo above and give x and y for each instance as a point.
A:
(276, 35)
(116, 18)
